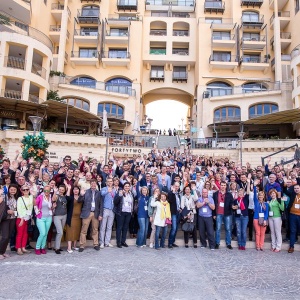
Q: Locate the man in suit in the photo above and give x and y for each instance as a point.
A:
(172, 174)
(92, 211)
(223, 212)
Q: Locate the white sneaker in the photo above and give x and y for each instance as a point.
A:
(70, 251)
(109, 245)
(75, 248)
(144, 245)
(151, 245)
(102, 246)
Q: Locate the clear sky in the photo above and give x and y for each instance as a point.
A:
(167, 114)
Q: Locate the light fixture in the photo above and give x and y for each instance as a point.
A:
(36, 123)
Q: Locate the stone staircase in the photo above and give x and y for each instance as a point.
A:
(165, 141)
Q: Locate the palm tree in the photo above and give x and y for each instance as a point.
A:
(4, 20)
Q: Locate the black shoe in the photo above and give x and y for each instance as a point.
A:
(60, 250)
(174, 245)
(97, 248)
(119, 246)
(186, 246)
(80, 249)
(28, 247)
(229, 247)
(57, 252)
(124, 244)
(170, 247)
(14, 249)
(50, 248)
(195, 246)
(217, 246)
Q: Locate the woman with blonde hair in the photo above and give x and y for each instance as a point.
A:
(151, 213)
(161, 220)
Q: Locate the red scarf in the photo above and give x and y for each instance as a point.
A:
(241, 203)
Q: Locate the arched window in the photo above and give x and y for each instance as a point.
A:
(227, 114)
(219, 88)
(84, 81)
(119, 85)
(262, 109)
(79, 103)
(113, 110)
(252, 87)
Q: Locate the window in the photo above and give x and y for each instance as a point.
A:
(250, 17)
(118, 32)
(79, 103)
(88, 53)
(227, 114)
(221, 56)
(113, 110)
(179, 73)
(252, 87)
(84, 81)
(221, 35)
(262, 109)
(219, 88)
(157, 72)
(119, 85)
(117, 53)
(159, 14)
(90, 11)
(251, 58)
(89, 31)
(250, 36)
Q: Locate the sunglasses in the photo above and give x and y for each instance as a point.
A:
(46, 190)
(25, 190)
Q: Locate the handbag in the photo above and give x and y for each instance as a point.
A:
(168, 221)
(188, 227)
(32, 223)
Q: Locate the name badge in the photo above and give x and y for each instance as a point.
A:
(16, 213)
(221, 204)
(204, 209)
(271, 214)
(297, 206)
(28, 212)
(50, 213)
(194, 211)
(93, 204)
(238, 211)
(145, 207)
(261, 215)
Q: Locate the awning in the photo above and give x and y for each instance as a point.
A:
(281, 117)
(20, 105)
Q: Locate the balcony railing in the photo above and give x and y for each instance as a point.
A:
(161, 32)
(214, 143)
(180, 33)
(223, 37)
(252, 20)
(18, 95)
(285, 35)
(79, 32)
(261, 38)
(157, 75)
(38, 70)
(120, 89)
(214, 4)
(284, 14)
(227, 119)
(57, 6)
(14, 62)
(56, 28)
(34, 98)
(88, 54)
(252, 3)
(117, 34)
(124, 18)
(179, 75)
(223, 58)
(112, 115)
(86, 16)
(127, 4)
(183, 52)
(116, 54)
(253, 60)
(158, 51)
(174, 3)
(218, 92)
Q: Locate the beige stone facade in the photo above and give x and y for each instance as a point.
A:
(229, 60)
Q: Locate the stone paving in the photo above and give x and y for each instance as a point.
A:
(132, 273)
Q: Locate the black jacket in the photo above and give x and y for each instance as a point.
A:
(172, 201)
(118, 202)
(228, 202)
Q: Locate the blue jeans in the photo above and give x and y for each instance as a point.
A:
(142, 233)
(241, 229)
(294, 228)
(174, 227)
(163, 236)
(227, 222)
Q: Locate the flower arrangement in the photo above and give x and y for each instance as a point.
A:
(2, 154)
(34, 146)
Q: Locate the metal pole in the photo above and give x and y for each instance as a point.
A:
(106, 148)
(241, 149)
(66, 123)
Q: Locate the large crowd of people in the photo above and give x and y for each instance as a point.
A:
(145, 197)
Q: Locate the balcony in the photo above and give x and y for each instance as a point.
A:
(117, 38)
(85, 58)
(158, 32)
(284, 19)
(224, 24)
(20, 9)
(285, 59)
(14, 62)
(223, 41)
(115, 58)
(122, 20)
(280, 3)
(252, 21)
(179, 6)
(56, 11)
(253, 43)
(54, 33)
(182, 52)
(127, 90)
(88, 16)
(254, 63)
(214, 6)
(83, 36)
(219, 61)
(181, 33)
(127, 5)
(157, 51)
(34, 99)
(179, 76)
(285, 40)
(38, 70)
(157, 76)
(252, 3)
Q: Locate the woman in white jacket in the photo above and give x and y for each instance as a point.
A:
(162, 216)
